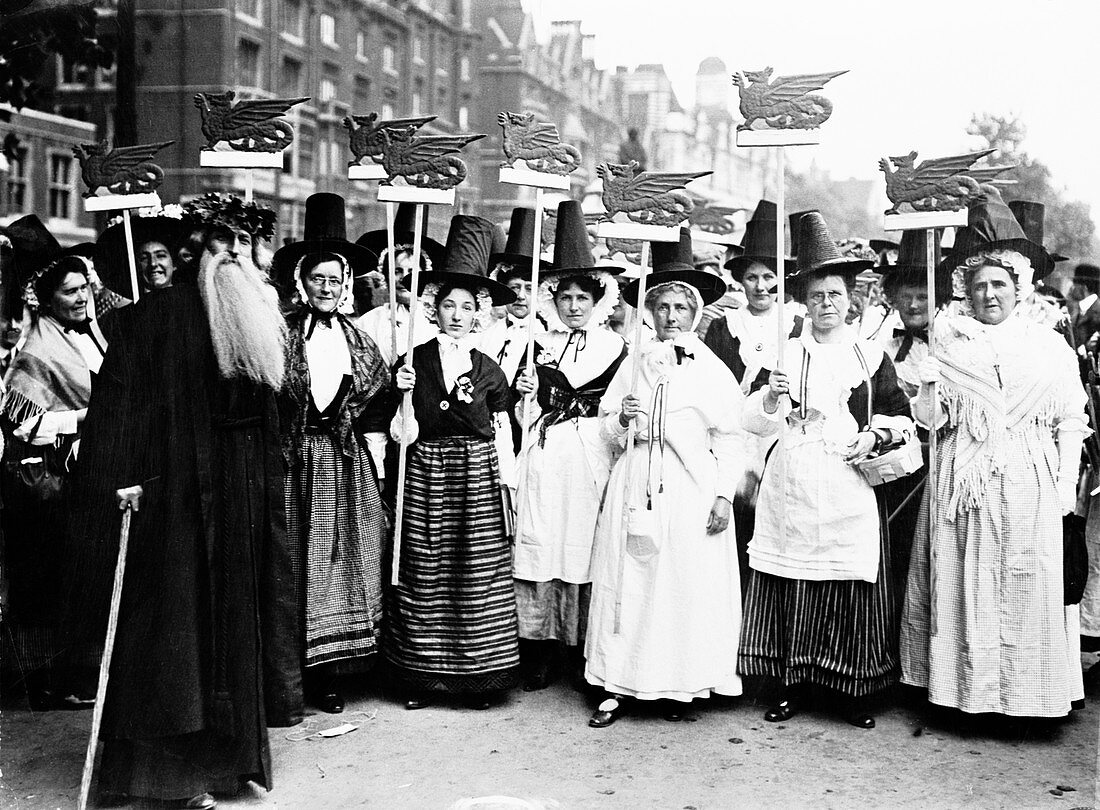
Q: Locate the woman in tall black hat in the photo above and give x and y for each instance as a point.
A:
(745, 339)
(334, 413)
(377, 322)
(451, 620)
(1036, 305)
(820, 607)
(45, 397)
(666, 599)
(994, 634)
(567, 463)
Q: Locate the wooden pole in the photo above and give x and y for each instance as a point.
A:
(406, 400)
(529, 399)
(781, 303)
(105, 661)
(635, 371)
(130, 253)
(930, 280)
(391, 215)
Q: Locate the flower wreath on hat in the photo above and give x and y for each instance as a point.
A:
(344, 303)
(213, 208)
(601, 310)
(1018, 266)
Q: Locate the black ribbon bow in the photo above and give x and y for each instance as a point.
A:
(321, 319)
(681, 353)
(907, 336)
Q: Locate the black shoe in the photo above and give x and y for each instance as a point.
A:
(858, 715)
(783, 711)
(674, 710)
(418, 701)
(331, 702)
(611, 709)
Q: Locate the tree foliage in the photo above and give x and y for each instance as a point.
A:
(1069, 226)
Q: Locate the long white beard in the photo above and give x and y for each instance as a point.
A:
(246, 326)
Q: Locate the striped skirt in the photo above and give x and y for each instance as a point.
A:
(335, 528)
(451, 621)
(840, 634)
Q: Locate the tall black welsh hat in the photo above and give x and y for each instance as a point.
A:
(404, 221)
(325, 232)
(517, 248)
(466, 260)
(991, 226)
(758, 243)
(672, 262)
(819, 255)
(1032, 217)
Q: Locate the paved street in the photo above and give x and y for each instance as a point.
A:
(538, 748)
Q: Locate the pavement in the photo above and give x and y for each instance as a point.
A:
(537, 751)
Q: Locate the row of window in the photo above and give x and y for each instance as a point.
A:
(60, 184)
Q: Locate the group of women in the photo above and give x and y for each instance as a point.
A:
(596, 508)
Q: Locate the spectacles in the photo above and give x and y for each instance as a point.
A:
(834, 297)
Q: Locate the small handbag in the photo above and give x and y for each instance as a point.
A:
(903, 460)
(38, 471)
(1075, 559)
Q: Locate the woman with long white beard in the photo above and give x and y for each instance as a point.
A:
(666, 597)
(565, 469)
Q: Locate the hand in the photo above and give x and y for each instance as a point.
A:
(632, 408)
(929, 370)
(719, 519)
(406, 378)
(860, 447)
(1067, 497)
(526, 383)
(129, 496)
(778, 385)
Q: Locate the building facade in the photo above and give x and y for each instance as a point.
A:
(42, 177)
(394, 57)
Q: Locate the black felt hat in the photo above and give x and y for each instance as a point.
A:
(912, 267)
(517, 248)
(1032, 216)
(33, 247)
(758, 243)
(110, 255)
(572, 248)
(793, 220)
(819, 255)
(325, 232)
(880, 245)
(466, 260)
(672, 261)
(403, 222)
(992, 226)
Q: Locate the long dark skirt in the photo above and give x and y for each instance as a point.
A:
(451, 622)
(335, 529)
(838, 634)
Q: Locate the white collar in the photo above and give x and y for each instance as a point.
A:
(1087, 302)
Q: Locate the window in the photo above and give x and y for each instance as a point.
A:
(290, 83)
(328, 89)
(17, 181)
(418, 97)
(362, 96)
(294, 18)
(387, 112)
(441, 101)
(306, 143)
(464, 118)
(328, 30)
(72, 73)
(361, 46)
(253, 9)
(389, 59)
(60, 191)
(322, 159)
(442, 56)
(464, 68)
(248, 64)
(418, 50)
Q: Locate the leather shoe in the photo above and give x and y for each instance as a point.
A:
(860, 719)
(331, 702)
(782, 711)
(673, 710)
(608, 712)
(204, 801)
(415, 702)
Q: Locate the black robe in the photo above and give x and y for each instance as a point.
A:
(207, 628)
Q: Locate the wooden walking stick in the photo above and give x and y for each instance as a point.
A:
(772, 119)
(105, 662)
(430, 167)
(650, 207)
(536, 158)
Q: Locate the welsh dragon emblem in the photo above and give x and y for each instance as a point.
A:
(123, 170)
(651, 198)
(714, 219)
(537, 144)
(786, 103)
(427, 161)
(939, 184)
(365, 134)
(253, 125)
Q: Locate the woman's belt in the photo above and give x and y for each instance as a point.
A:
(566, 405)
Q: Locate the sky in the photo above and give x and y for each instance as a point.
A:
(918, 69)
